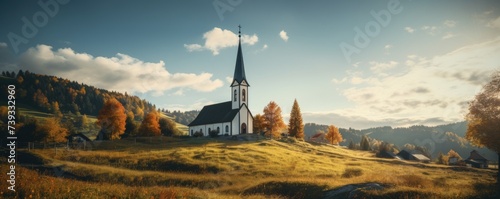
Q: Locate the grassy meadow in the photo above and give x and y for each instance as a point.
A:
(223, 168)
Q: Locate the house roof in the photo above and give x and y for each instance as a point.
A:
(476, 156)
(215, 113)
(421, 157)
(239, 68)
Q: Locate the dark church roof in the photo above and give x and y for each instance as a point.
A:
(239, 68)
(215, 113)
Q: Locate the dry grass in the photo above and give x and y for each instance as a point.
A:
(218, 168)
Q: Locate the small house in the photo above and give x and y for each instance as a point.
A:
(476, 160)
(387, 154)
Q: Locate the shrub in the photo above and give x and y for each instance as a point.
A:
(198, 134)
(352, 172)
(414, 181)
(213, 133)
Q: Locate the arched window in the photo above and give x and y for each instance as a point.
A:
(218, 130)
(227, 129)
(235, 95)
(201, 131)
(244, 94)
(209, 130)
(191, 131)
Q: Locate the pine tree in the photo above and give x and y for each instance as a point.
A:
(296, 125)
(351, 145)
(364, 144)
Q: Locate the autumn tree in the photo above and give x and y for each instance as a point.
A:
(3, 113)
(150, 125)
(259, 124)
(167, 126)
(51, 131)
(442, 159)
(274, 120)
(454, 154)
(111, 118)
(484, 118)
(295, 125)
(333, 135)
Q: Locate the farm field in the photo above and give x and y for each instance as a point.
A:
(250, 167)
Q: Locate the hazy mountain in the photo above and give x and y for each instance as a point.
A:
(436, 139)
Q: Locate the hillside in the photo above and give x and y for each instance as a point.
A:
(40, 96)
(436, 139)
(224, 168)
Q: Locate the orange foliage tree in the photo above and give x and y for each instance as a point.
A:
(259, 124)
(111, 118)
(274, 120)
(150, 126)
(333, 135)
(484, 118)
(296, 125)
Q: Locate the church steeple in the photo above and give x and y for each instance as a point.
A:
(239, 68)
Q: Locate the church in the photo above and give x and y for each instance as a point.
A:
(232, 117)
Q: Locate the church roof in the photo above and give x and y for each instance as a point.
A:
(239, 68)
(215, 113)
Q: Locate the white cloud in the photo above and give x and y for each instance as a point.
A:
(494, 23)
(431, 30)
(450, 23)
(284, 35)
(428, 91)
(218, 39)
(388, 46)
(264, 47)
(193, 47)
(229, 80)
(381, 67)
(118, 73)
(448, 35)
(409, 29)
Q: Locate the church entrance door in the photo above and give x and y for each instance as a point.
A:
(243, 128)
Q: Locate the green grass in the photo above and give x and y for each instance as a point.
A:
(220, 168)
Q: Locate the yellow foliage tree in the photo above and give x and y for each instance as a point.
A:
(484, 118)
(52, 131)
(259, 124)
(333, 135)
(150, 126)
(112, 118)
(274, 120)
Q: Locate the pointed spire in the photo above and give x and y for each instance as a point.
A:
(239, 69)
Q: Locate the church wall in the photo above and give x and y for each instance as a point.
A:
(206, 128)
(235, 130)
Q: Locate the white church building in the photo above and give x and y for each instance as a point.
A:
(231, 117)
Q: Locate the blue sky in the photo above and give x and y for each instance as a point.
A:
(420, 66)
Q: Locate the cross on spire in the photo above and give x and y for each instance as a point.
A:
(239, 31)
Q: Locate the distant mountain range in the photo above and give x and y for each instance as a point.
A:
(436, 139)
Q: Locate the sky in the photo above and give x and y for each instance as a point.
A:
(356, 64)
